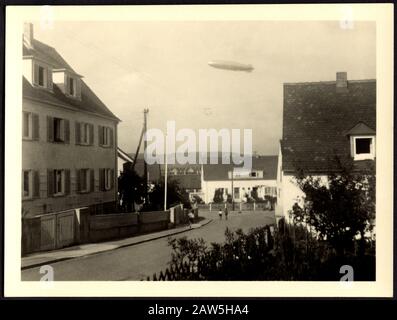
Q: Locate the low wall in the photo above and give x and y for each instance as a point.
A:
(111, 226)
(243, 206)
(153, 221)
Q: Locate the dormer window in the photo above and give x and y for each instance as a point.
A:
(68, 82)
(363, 147)
(42, 75)
(362, 142)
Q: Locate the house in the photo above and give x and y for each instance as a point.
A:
(122, 158)
(69, 137)
(223, 178)
(322, 120)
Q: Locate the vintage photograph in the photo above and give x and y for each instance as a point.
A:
(197, 150)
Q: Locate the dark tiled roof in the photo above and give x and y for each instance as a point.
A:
(89, 101)
(317, 119)
(217, 172)
(187, 181)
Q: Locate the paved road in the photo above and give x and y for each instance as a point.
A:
(142, 260)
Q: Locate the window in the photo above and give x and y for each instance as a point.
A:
(27, 125)
(30, 126)
(105, 136)
(253, 174)
(85, 180)
(27, 184)
(59, 182)
(58, 130)
(85, 133)
(363, 147)
(71, 86)
(40, 75)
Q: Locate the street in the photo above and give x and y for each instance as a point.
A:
(139, 261)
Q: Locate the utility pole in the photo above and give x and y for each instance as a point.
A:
(165, 175)
(232, 189)
(145, 176)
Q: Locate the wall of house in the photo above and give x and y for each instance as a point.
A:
(209, 187)
(42, 155)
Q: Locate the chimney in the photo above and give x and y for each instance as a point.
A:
(341, 81)
(28, 34)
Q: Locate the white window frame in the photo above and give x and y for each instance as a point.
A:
(29, 195)
(106, 136)
(30, 125)
(61, 130)
(56, 191)
(85, 188)
(85, 133)
(45, 74)
(108, 179)
(363, 156)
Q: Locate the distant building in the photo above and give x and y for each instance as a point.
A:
(122, 158)
(69, 137)
(260, 180)
(322, 120)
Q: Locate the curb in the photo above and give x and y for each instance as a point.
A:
(119, 247)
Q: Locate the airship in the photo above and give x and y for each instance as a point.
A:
(230, 65)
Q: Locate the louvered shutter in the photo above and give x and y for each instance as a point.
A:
(111, 137)
(50, 182)
(35, 126)
(111, 178)
(50, 129)
(67, 181)
(91, 128)
(100, 136)
(102, 179)
(78, 180)
(78, 133)
(35, 73)
(67, 130)
(49, 78)
(36, 184)
(92, 180)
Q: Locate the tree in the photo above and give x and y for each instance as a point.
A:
(175, 195)
(131, 189)
(341, 208)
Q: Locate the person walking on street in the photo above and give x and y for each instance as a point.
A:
(226, 212)
(220, 214)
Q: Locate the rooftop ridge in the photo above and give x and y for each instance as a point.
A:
(326, 82)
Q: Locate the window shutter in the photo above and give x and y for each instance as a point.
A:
(102, 179)
(49, 78)
(67, 181)
(77, 133)
(100, 136)
(78, 88)
(67, 90)
(35, 126)
(35, 73)
(92, 180)
(50, 128)
(36, 184)
(67, 131)
(78, 180)
(112, 178)
(50, 182)
(91, 134)
(111, 137)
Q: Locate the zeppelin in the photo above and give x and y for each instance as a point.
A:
(230, 65)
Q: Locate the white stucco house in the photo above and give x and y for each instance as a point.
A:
(260, 179)
(322, 120)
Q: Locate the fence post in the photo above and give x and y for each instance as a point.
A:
(240, 206)
(210, 206)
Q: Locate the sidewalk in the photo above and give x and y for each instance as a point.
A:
(42, 258)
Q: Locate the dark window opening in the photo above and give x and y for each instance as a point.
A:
(41, 76)
(363, 145)
(71, 86)
(58, 130)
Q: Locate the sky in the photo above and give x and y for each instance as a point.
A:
(163, 66)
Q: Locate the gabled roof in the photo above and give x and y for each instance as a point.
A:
(89, 101)
(317, 118)
(220, 172)
(123, 155)
(360, 129)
